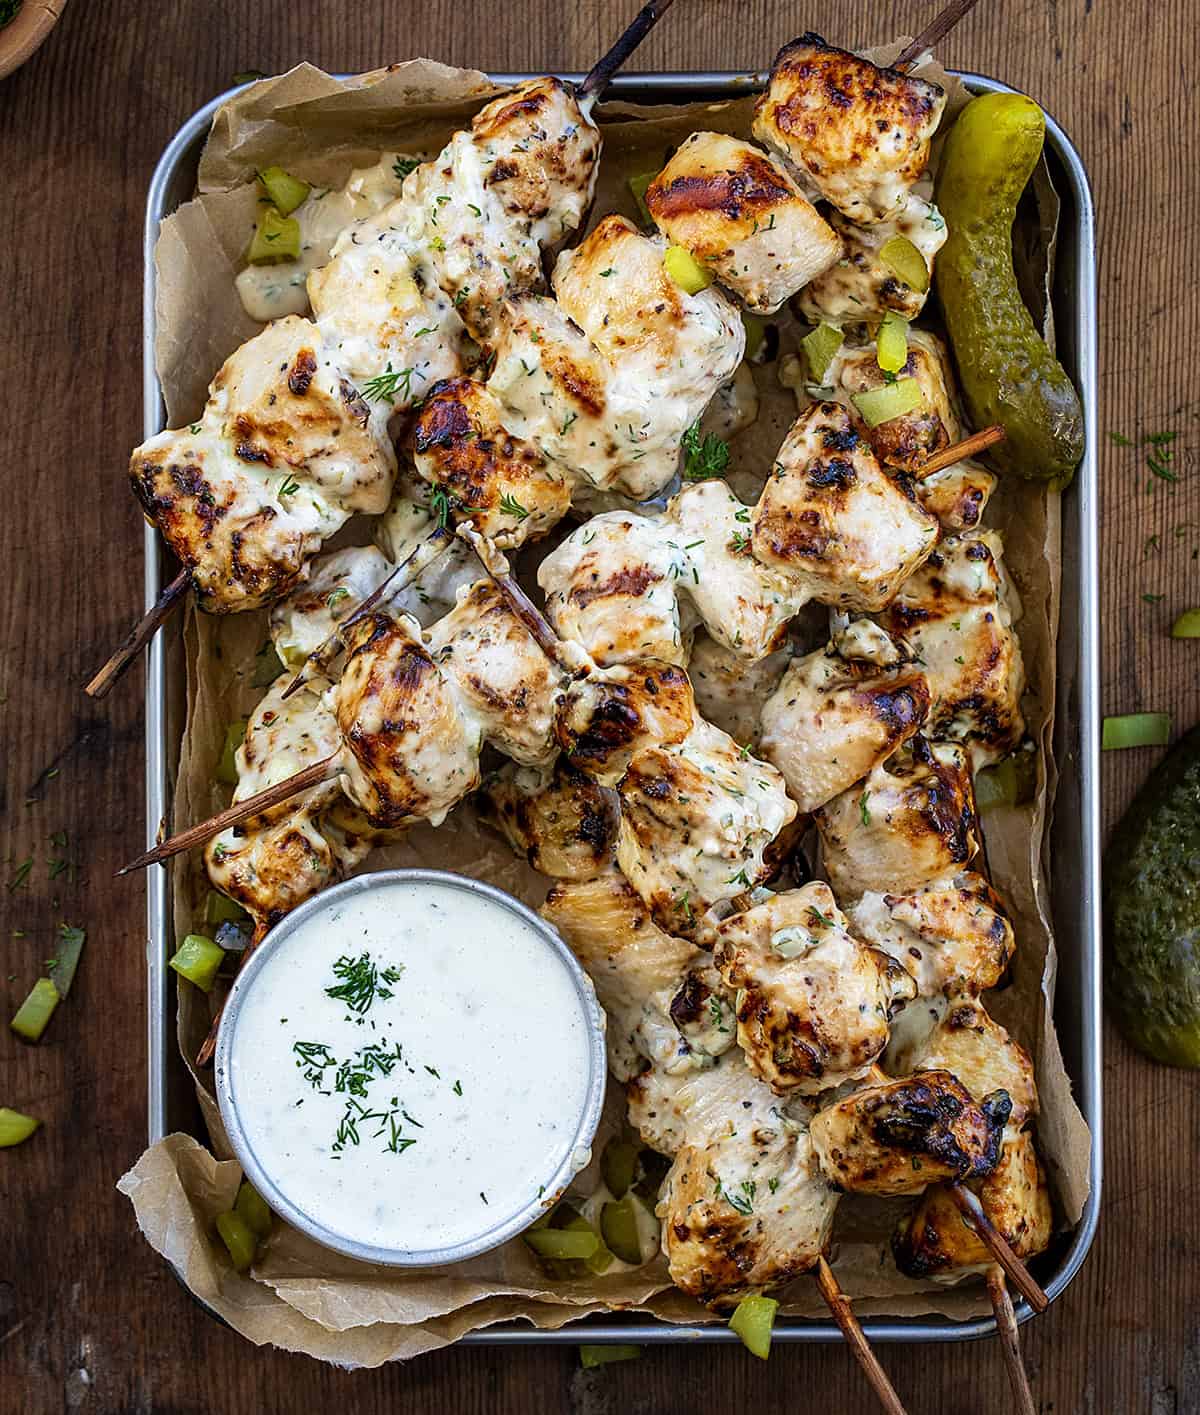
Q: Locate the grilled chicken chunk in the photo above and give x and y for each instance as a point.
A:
(502, 485)
(281, 458)
(837, 713)
(275, 861)
(833, 521)
(813, 1004)
(607, 379)
(744, 604)
(744, 1207)
(898, 1136)
(611, 586)
(504, 683)
(860, 134)
(640, 973)
(384, 320)
(606, 719)
(955, 612)
(741, 215)
(701, 821)
(559, 820)
(337, 585)
(910, 821)
(499, 193)
(860, 288)
(912, 438)
(730, 689)
(933, 1241)
(952, 934)
(957, 495)
(411, 752)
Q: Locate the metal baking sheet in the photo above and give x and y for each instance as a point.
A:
(1074, 833)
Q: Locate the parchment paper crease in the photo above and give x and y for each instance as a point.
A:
(301, 1297)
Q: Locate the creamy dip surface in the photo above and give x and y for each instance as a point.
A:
(410, 1066)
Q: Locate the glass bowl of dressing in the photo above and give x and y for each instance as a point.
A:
(411, 1067)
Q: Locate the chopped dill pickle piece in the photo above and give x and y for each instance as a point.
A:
(754, 1320)
(238, 1238)
(286, 191)
(198, 959)
(686, 270)
(235, 735)
(37, 1009)
(819, 348)
(562, 1242)
(15, 1128)
(276, 238)
(891, 343)
(905, 261)
(893, 400)
(252, 1209)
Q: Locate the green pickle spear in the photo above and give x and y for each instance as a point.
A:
(1008, 374)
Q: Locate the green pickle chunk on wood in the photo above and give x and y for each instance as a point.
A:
(15, 1128)
(1007, 372)
(1152, 912)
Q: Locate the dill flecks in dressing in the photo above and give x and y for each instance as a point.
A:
(272, 291)
(410, 1066)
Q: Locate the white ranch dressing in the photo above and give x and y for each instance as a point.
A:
(272, 291)
(480, 1109)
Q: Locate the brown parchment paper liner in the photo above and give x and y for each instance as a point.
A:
(300, 1296)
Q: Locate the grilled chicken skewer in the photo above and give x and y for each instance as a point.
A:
(493, 670)
(289, 446)
(745, 1207)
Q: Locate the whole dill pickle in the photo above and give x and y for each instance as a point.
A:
(1008, 374)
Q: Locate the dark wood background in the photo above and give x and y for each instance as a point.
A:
(89, 1318)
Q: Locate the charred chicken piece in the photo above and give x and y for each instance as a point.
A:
(649, 983)
(898, 1136)
(606, 719)
(910, 821)
(932, 1241)
(281, 458)
(903, 442)
(952, 934)
(275, 861)
(956, 612)
(731, 690)
(860, 134)
(559, 820)
(503, 485)
(837, 713)
(813, 1004)
(742, 216)
(701, 821)
(860, 288)
(832, 521)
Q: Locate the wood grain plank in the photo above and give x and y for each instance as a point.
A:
(89, 1319)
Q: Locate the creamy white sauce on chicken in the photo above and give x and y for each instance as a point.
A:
(427, 1101)
(271, 291)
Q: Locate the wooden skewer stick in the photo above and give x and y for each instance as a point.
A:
(414, 564)
(1010, 1344)
(968, 447)
(313, 775)
(603, 70)
(843, 1314)
(933, 33)
(996, 1243)
(571, 657)
(139, 636)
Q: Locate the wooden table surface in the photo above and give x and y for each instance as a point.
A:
(89, 1317)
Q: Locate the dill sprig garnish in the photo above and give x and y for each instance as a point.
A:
(361, 982)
